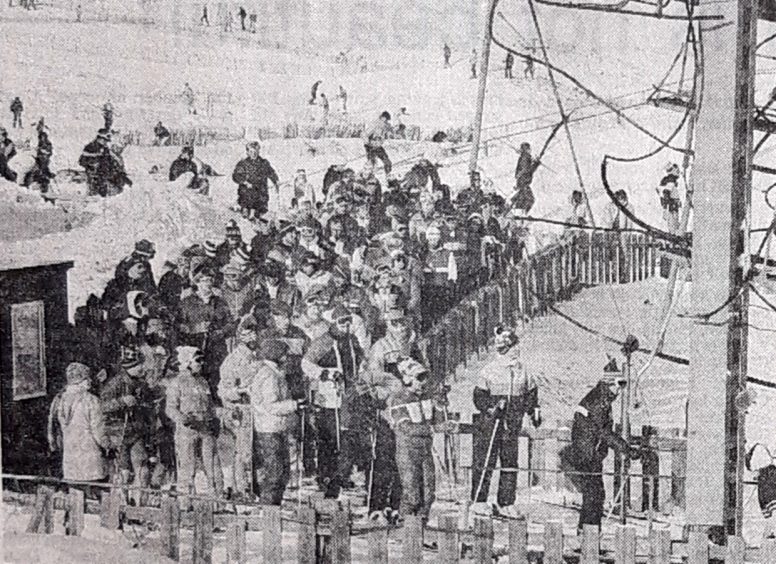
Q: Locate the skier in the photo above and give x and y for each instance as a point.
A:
(373, 142)
(107, 115)
(323, 104)
(524, 199)
(183, 164)
(228, 20)
(446, 52)
(237, 372)
(78, 415)
(592, 436)
(252, 175)
(528, 72)
(7, 152)
(273, 419)
(40, 174)
(670, 200)
(127, 405)
(415, 414)
(331, 364)
(401, 127)
(190, 406)
(314, 92)
(161, 135)
(242, 13)
(615, 218)
(509, 62)
(473, 63)
(16, 109)
(204, 20)
(343, 99)
(188, 97)
(105, 175)
(441, 270)
(502, 396)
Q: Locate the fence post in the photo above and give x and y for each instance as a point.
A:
(305, 539)
(553, 542)
(110, 510)
(236, 551)
(768, 551)
(591, 545)
(42, 520)
(483, 539)
(625, 544)
(448, 538)
(412, 543)
(75, 513)
(697, 548)
(169, 532)
(735, 550)
(378, 545)
(538, 462)
(518, 541)
(660, 546)
(203, 532)
(272, 535)
(678, 471)
(340, 537)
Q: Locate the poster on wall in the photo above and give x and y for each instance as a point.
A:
(29, 349)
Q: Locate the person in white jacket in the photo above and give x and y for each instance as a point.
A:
(373, 142)
(273, 419)
(77, 413)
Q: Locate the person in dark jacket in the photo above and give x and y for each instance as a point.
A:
(40, 174)
(509, 62)
(592, 435)
(251, 176)
(524, 173)
(332, 364)
(7, 152)
(161, 134)
(105, 172)
(243, 14)
(143, 252)
(183, 164)
(171, 285)
(502, 397)
(16, 109)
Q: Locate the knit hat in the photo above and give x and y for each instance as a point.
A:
(131, 357)
(307, 222)
(242, 255)
(145, 248)
(279, 307)
(211, 247)
(310, 258)
(285, 226)
(273, 349)
(75, 373)
(232, 230)
(341, 312)
(231, 268)
(394, 314)
(253, 145)
(505, 339)
(433, 229)
(200, 273)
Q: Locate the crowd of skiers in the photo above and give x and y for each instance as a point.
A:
(289, 355)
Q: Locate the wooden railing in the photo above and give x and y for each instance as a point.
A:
(331, 536)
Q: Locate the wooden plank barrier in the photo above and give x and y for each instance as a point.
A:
(74, 525)
(236, 546)
(203, 533)
(305, 539)
(272, 535)
(169, 531)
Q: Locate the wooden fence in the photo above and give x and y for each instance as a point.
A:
(328, 537)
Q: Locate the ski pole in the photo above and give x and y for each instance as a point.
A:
(300, 461)
(487, 457)
(373, 440)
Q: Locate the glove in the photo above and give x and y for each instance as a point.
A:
(302, 404)
(537, 417)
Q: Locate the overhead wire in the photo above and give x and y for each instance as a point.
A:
(620, 11)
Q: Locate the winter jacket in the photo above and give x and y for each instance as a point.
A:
(255, 172)
(16, 106)
(510, 382)
(237, 373)
(171, 284)
(379, 371)
(129, 423)
(189, 403)
(592, 433)
(239, 301)
(334, 352)
(79, 416)
(205, 325)
(379, 132)
(298, 343)
(273, 408)
(181, 166)
(524, 171)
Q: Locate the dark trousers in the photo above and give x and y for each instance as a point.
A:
(374, 153)
(383, 471)
(270, 453)
(335, 465)
(416, 469)
(593, 497)
(508, 72)
(17, 119)
(504, 448)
